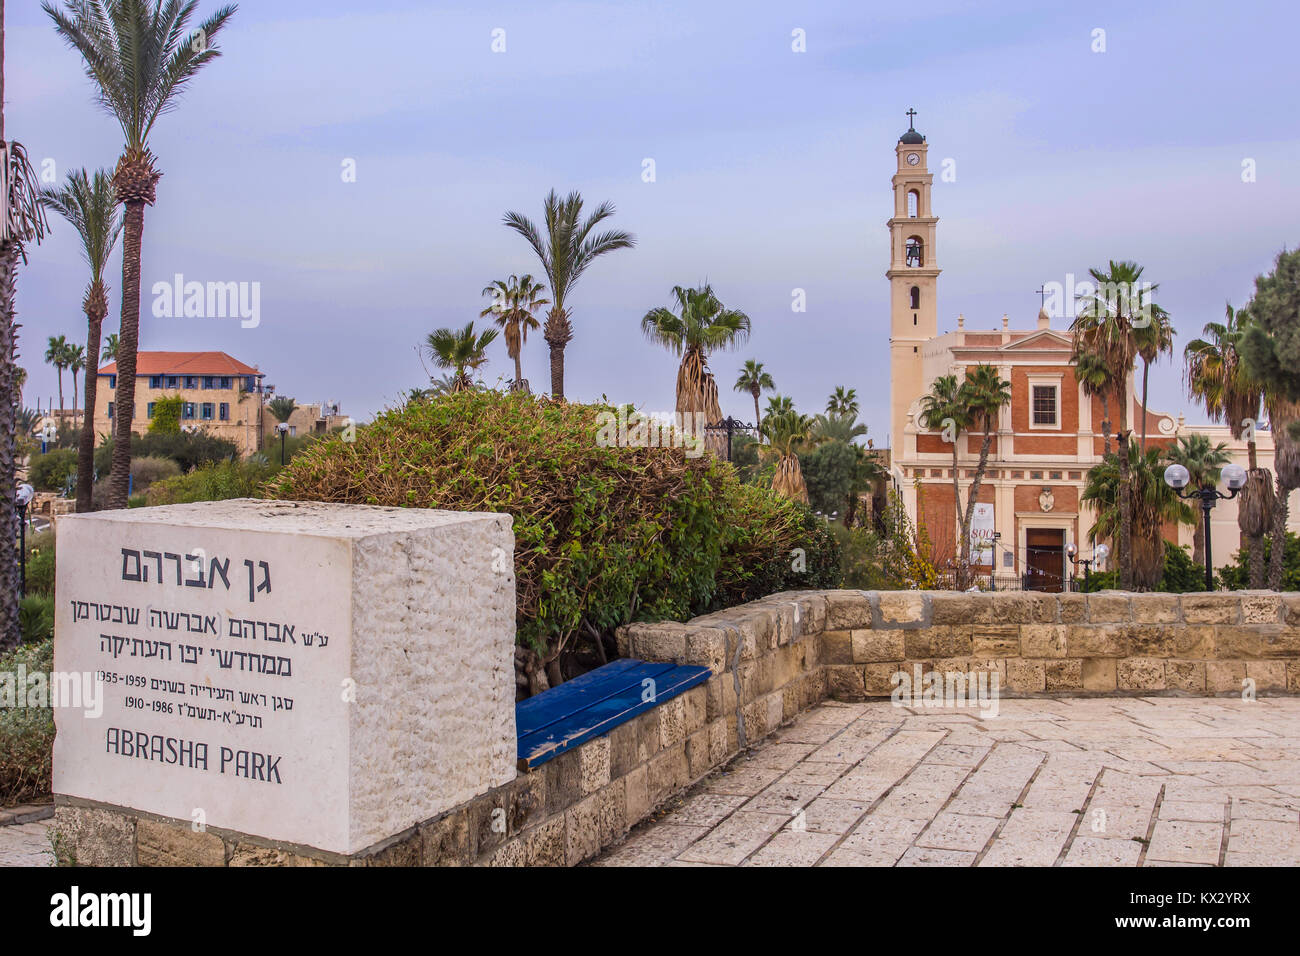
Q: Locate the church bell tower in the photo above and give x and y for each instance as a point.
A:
(913, 278)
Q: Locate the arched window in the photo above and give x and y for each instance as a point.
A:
(915, 252)
(916, 297)
(913, 204)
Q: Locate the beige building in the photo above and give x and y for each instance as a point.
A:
(222, 395)
(1047, 438)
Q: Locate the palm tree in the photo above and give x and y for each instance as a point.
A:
(56, 354)
(140, 58)
(1154, 339)
(1153, 503)
(787, 434)
(281, 408)
(984, 393)
(514, 301)
(22, 221)
(1282, 413)
(1203, 463)
(461, 351)
(110, 350)
(703, 325)
(776, 404)
(1217, 379)
(1092, 372)
(943, 410)
(1105, 325)
(842, 401)
(843, 427)
(754, 380)
(76, 362)
(565, 252)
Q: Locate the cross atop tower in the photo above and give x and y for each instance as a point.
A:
(911, 122)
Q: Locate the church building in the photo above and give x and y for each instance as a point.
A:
(1047, 438)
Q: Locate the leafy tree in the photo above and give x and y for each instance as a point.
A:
(514, 301)
(1203, 463)
(983, 395)
(167, 413)
(1236, 576)
(701, 325)
(140, 58)
(755, 380)
(461, 351)
(944, 411)
(565, 252)
(1218, 378)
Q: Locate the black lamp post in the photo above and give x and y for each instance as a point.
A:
(23, 498)
(1233, 475)
(730, 426)
(283, 429)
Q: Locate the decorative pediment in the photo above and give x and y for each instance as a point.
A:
(1042, 339)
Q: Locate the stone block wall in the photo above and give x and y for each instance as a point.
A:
(770, 660)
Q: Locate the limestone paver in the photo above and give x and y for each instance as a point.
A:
(1066, 782)
(26, 844)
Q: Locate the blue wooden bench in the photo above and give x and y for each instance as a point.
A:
(559, 719)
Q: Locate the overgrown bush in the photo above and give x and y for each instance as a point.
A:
(26, 733)
(150, 468)
(187, 449)
(1179, 576)
(167, 412)
(212, 482)
(36, 618)
(603, 535)
(40, 563)
(1236, 576)
(51, 471)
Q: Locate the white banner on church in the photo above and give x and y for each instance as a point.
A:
(981, 534)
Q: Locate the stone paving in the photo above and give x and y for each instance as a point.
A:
(1062, 782)
(26, 844)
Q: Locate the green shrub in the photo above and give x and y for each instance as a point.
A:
(211, 482)
(51, 471)
(36, 618)
(150, 468)
(26, 733)
(603, 535)
(1236, 576)
(1179, 576)
(187, 449)
(40, 563)
(167, 415)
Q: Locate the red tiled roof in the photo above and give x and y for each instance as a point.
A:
(185, 363)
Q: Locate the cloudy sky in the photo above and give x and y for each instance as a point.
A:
(771, 168)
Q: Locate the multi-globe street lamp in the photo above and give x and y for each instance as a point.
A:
(1233, 475)
(1098, 555)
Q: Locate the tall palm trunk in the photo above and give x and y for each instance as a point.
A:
(58, 369)
(1255, 516)
(1125, 496)
(972, 497)
(1278, 536)
(10, 633)
(758, 418)
(1105, 426)
(128, 340)
(74, 398)
(96, 309)
(959, 572)
(1146, 371)
(558, 332)
(1198, 543)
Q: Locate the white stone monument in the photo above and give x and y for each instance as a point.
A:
(315, 674)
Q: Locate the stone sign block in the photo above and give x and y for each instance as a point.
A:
(314, 674)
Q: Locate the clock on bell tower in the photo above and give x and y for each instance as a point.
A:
(913, 277)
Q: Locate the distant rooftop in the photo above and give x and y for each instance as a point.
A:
(185, 363)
